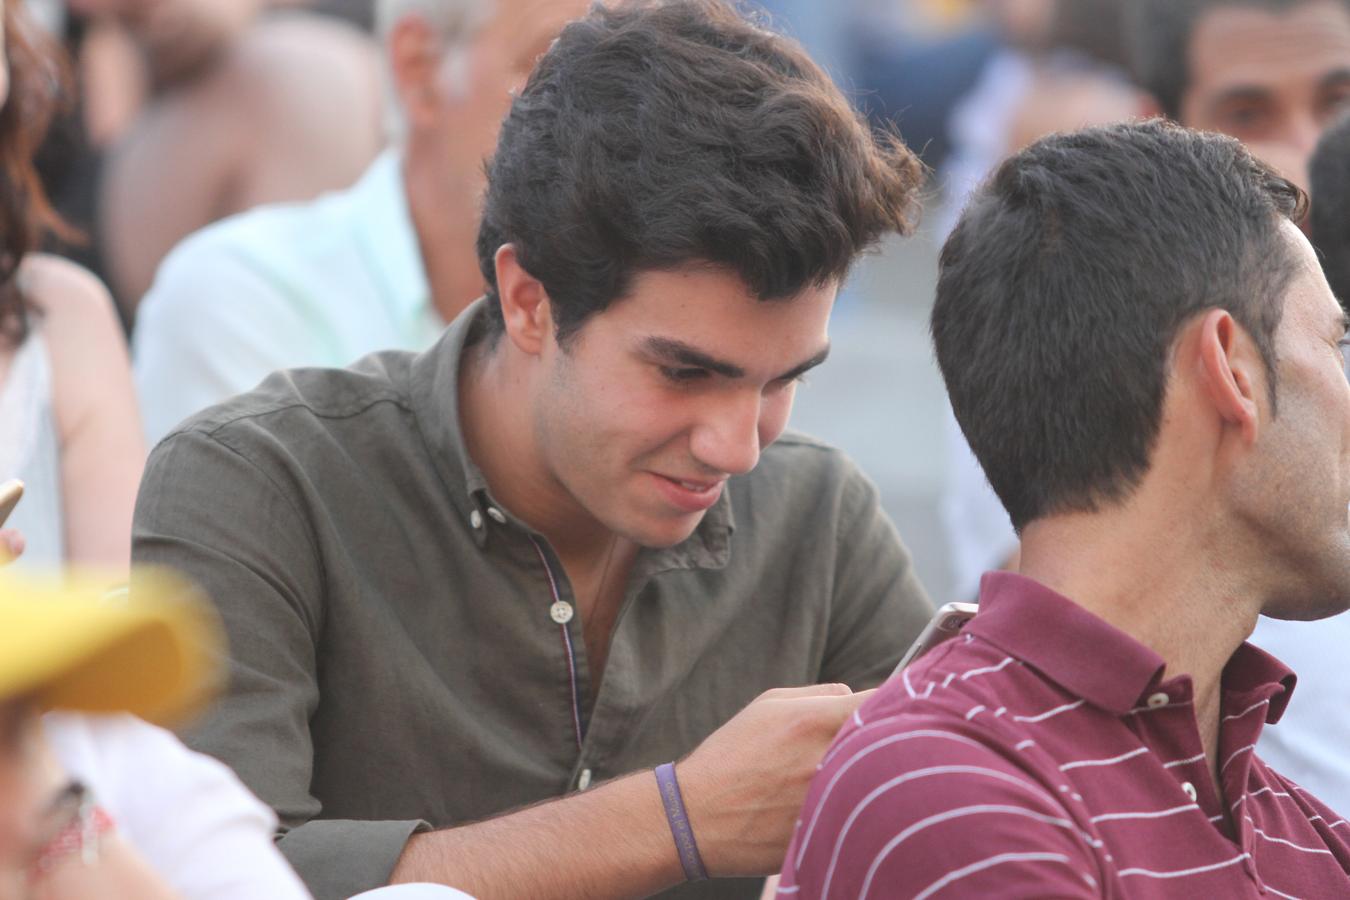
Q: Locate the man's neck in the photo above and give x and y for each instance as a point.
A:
(443, 213)
(500, 437)
(1178, 594)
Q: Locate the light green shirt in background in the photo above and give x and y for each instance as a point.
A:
(284, 286)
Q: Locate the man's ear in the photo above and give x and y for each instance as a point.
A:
(1232, 371)
(414, 51)
(525, 304)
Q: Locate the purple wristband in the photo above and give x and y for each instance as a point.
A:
(679, 823)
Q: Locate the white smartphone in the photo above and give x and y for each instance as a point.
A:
(10, 494)
(946, 624)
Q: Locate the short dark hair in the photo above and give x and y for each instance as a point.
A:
(1159, 39)
(1329, 183)
(1065, 283)
(662, 133)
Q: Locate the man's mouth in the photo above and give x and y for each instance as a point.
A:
(690, 494)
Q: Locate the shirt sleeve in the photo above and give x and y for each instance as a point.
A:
(211, 512)
(878, 606)
(922, 811)
(187, 814)
(210, 327)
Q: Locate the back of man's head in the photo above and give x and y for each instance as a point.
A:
(1160, 33)
(1330, 188)
(1065, 283)
(663, 133)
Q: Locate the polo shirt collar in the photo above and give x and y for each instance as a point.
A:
(1097, 661)
(1253, 674)
(388, 239)
(434, 392)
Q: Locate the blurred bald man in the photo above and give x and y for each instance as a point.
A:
(382, 265)
(244, 106)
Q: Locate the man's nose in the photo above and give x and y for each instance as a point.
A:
(727, 438)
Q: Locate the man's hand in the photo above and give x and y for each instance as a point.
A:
(11, 545)
(743, 789)
(744, 786)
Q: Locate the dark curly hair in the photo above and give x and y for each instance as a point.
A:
(38, 83)
(660, 133)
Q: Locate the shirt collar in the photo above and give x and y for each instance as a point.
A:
(1095, 660)
(388, 239)
(434, 392)
(1253, 674)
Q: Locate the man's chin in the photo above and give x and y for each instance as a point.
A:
(662, 534)
(1308, 608)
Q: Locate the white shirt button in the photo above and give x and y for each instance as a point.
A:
(476, 519)
(585, 780)
(1158, 699)
(561, 612)
(496, 515)
(1189, 789)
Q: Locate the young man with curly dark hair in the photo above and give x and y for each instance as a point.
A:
(572, 541)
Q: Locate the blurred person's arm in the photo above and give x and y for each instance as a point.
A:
(210, 327)
(99, 428)
(293, 110)
(878, 607)
(187, 814)
(112, 80)
(12, 545)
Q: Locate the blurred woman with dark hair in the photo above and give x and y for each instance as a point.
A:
(68, 421)
(70, 429)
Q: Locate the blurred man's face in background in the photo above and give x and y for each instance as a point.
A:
(177, 36)
(1272, 79)
(454, 117)
(477, 88)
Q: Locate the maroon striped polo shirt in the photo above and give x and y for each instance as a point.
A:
(1044, 754)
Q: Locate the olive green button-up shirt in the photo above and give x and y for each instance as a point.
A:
(406, 652)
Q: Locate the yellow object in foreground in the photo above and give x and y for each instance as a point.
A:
(68, 643)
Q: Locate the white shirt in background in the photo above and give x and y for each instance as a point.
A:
(1311, 742)
(187, 814)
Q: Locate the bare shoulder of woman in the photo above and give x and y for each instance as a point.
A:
(84, 337)
(94, 402)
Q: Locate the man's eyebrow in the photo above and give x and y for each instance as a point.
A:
(681, 354)
(1238, 93)
(807, 366)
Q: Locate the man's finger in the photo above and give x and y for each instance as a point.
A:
(808, 690)
(834, 709)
